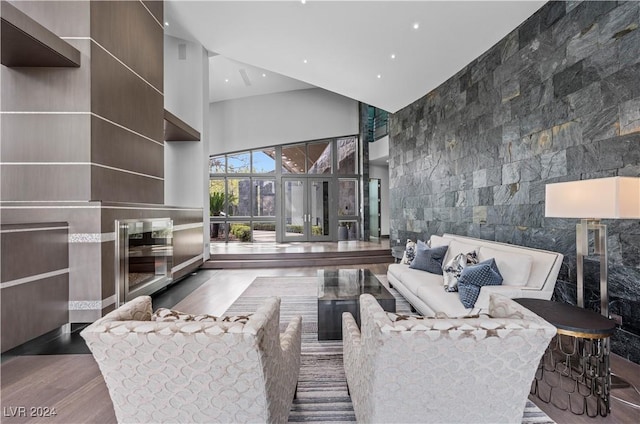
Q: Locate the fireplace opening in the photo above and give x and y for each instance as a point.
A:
(144, 257)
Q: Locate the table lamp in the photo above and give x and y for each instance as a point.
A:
(591, 201)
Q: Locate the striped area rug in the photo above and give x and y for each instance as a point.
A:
(322, 387)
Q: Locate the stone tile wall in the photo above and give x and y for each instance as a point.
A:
(557, 99)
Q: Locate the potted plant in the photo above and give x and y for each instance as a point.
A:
(216, 204)
(343, 231)
(217, 201)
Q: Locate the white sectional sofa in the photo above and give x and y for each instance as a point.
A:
(527, 272)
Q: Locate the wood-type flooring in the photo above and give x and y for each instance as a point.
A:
(72, 384)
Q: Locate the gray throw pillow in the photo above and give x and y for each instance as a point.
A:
(429, 259)
(474, 277)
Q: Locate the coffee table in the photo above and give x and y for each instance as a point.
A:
(339, 291)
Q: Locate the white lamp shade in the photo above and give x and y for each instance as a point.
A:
(603, 198)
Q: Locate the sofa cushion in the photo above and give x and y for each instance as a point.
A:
(413, 279)
(437, 241)
(457, 247)
(453, 268)
(514, 267)
(443, 302)
(429, 259)
(396, 270)
(474, 277)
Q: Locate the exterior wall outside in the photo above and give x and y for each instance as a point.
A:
(556, 100)
(280, 118)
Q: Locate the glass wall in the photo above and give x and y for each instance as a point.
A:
(245, 187)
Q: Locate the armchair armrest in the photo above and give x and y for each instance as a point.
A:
(502, 307)
(291, 348)
(138, 309)
(351, 335)
(291, 339)
(351, 348)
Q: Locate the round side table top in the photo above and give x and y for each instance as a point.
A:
(571, 320)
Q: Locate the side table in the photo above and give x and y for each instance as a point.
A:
(574, 372)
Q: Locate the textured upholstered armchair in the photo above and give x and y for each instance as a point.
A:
(190, 371)
(470, 370)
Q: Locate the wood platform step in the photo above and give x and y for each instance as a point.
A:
(288, 260)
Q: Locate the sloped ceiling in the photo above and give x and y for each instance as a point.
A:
(347, 45)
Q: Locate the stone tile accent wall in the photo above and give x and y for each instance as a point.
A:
(557, 99)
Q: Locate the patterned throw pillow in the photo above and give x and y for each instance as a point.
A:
(409, 252)
(474, 277)
(453, 268)
(429, 259)
(168, 315)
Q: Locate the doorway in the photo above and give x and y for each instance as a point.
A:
(307, 206)
(374, 209)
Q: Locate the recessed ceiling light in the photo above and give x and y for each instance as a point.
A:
(416, 25)
(305, 61)
(379, 76)
(264, 75)
(226, 80)
(303, 1)
(393, 55)
(166, 24)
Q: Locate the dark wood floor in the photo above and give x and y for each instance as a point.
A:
(73, 385)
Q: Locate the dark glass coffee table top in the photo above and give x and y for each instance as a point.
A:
(339, 291)
(346, 284)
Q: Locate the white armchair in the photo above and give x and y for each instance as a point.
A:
(195, 372)
(434, 370)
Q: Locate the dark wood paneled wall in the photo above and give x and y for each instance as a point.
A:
(86, 146)
(34, 280)
(131, 33)
(113, 109)
(126, 92)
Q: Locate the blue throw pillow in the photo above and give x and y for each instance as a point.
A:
(429, 259)
(474, 277)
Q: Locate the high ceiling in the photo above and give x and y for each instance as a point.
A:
(384, 53)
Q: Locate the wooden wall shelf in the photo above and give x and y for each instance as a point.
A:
(175, 129)
(26, 43)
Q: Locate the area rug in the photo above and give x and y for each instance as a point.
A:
(322, 386)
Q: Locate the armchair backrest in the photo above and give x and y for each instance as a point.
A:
(185, 371)
(450, 370)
